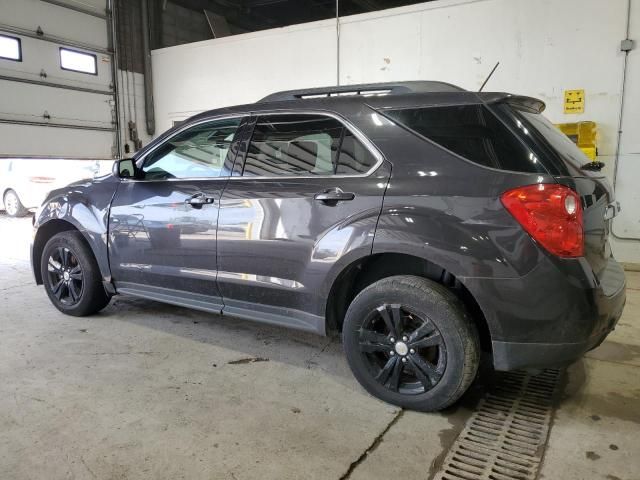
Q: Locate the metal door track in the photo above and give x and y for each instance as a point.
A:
(505, 437)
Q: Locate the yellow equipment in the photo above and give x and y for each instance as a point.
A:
(582, 134)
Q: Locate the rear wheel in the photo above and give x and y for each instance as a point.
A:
(410, 342)
(12, 204)
(71, 275)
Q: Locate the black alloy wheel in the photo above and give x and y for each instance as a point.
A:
(411, 342)
(65, 276)
(71, 275)
(404, 351)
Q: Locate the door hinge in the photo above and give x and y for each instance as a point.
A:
(627, 45)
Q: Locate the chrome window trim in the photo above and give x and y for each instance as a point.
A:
(346, 123)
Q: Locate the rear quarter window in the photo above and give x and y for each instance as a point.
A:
(473, 132)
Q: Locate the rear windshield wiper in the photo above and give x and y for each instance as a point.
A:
(593, 166)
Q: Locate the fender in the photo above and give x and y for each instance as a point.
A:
(85, 206)
(487, 245)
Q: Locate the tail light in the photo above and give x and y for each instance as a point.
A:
(551, 214)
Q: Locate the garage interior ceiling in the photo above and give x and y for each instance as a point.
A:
(230, 17)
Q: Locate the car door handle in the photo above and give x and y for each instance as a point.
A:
(199, 199)
(334, 195)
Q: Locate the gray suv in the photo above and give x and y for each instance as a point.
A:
(424, 222)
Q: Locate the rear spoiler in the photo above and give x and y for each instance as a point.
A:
(520, 102)
(529, 104)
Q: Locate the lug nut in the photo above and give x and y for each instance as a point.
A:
(404, 360)
(412, 351)
(393, 340)
(392, 353)
(405, 338)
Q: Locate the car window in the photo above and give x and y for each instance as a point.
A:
(354, 157)
(473, 132)
(305, 144)
(198, 152)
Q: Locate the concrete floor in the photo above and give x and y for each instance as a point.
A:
(145, 390)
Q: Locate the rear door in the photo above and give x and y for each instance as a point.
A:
(162, 225)
(306, 196)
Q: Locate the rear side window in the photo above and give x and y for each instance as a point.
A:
(354, 157)
(301, 145)
(473, 132)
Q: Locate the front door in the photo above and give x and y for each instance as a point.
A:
(162, 225)
(307, 196)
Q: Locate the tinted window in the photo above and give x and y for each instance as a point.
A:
(559, 142)
(472, 132)
(290, 145)
(354, 157)
(199, 151)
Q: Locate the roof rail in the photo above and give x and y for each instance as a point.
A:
(364, 89)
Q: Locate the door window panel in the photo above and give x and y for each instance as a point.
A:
(290, 145)
(198, 152)
(287, 145)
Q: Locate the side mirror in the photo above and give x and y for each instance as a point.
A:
(125, 168)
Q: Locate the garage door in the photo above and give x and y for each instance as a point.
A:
(56, 80)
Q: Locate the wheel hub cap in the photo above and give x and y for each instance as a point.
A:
(403, 351)
(401, 348)
(66, 276)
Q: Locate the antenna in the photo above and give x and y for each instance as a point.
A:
(489, 76)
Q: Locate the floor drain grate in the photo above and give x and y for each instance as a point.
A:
(506, 435)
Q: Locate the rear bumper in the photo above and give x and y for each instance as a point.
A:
(516, 355)
(552, 316)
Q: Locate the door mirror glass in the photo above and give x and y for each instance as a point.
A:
(125, 168)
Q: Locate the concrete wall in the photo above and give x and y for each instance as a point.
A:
(544, 47)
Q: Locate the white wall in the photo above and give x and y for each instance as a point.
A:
(240, 69)
(544, 47)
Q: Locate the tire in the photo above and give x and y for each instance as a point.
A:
(437, 350)
(12, 204)
(71, 275)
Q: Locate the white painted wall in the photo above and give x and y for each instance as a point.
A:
(240, 69)
(544, 47)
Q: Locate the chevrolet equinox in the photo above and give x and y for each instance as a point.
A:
(424, 222)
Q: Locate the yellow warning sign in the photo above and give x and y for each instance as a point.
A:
(574, 101)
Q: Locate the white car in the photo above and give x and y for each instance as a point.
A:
(24, 183)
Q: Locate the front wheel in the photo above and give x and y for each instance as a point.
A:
(71, 275)
(409, 341)
(13, 206)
